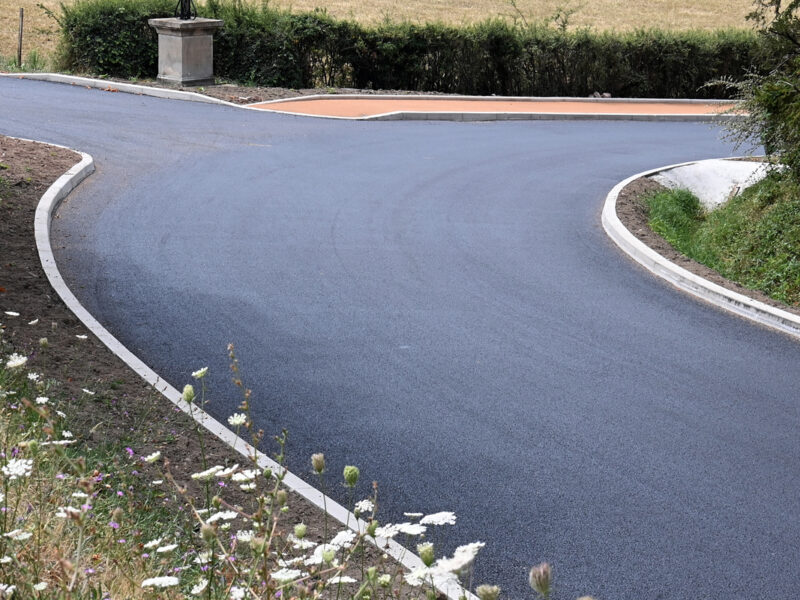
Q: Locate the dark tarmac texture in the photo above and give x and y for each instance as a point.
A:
(437, 303)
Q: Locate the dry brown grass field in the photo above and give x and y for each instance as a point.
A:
(40, 31)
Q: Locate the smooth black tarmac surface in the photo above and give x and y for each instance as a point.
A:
(438, 304)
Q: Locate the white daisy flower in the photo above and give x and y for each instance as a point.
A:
(364, 506)
(18, 467)
(440, 518)
(161, 582)
(237, 419)
(286, 575)
(16, 360)
(199, 588)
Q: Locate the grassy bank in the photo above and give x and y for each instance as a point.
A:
(754, 239)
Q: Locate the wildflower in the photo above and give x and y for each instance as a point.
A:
(339, 579)
(245, 535)
(237, 593)
(81, 336)
(203, 557)
(18, 535)
(66, 434)
(237, 419)
(87, 392)
(188, 393)
(226, 515)
(343, 539)
(246, 475)
(489, 592)
(113, 525)
(157, 482)
(161, 582)
(364, 506)
(199, 588)
(11, 313)
(61, 414)
(200, 373)
(385, 580)
(539, 579)
(152, 543)
(165, 549)
(248, 487)
(42, 400)
(34, 322)
(412, 515)
(151, 458)
(419, 576)
(462, 558)
(43, 342)
(440, 518)
(286, 575)
(300, 544)
(16, 360)
(387, 531)
(6, 591)
(324, 554)
(318, 462)
(351, 474)
(227, 472)
(5, 560)
(41, 586)
(411, 528)
(288, 563)
(207, 474)
(18, 467)
(33, 376)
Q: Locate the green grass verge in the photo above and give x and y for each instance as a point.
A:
(753, 239)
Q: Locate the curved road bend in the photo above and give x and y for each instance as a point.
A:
(437, 303)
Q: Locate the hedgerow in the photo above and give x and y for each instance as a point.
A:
(267, 46)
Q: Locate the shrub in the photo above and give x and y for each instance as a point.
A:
(111, 37)
(266, 46)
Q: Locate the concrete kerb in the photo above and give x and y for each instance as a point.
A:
(682, 279)
(48, 204)
(143, 90)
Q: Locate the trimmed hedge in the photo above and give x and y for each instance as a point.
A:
(264, 46)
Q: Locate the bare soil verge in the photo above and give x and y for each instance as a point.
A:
(122, 409)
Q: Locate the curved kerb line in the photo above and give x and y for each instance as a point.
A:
(684, 280)
(404, 115)
(48, 204)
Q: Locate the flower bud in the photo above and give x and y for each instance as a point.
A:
(351, 474)
(257, 544)
(117, 514)
(425, 552)
(43, 343)
(281, 497)
(539, 579)
(385, 580)
(208, 533)
(188, 393)
(371, 573)
(216, 502)
(318, 462)
(489, 592)
(300, 531)
(373, 525)
(328, 556)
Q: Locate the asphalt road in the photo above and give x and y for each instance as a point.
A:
(438, 304)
